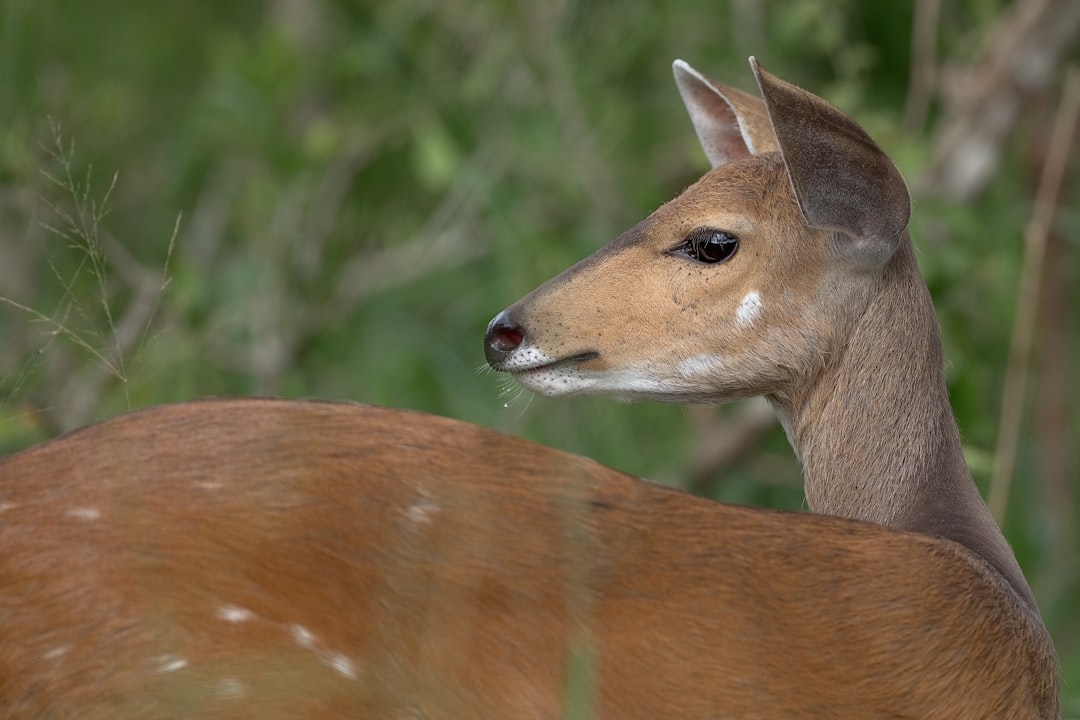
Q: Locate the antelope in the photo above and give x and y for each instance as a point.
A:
(261, 558)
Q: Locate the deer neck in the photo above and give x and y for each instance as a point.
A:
(876, 434)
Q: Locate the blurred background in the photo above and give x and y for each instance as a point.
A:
(331, 198)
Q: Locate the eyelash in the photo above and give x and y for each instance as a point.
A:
(708, 245)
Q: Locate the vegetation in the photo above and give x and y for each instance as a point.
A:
(330, 198)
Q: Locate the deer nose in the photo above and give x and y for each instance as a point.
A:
(503, 336)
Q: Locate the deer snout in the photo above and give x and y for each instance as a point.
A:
(504, 335)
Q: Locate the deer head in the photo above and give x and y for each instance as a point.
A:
(743, 285)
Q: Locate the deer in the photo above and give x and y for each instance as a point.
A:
(270, 558)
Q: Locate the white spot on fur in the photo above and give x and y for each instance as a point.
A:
(341, 663)
(234, 614)
(84, 513)
(208, 485)
(421, 511)
(4, 507)
(230, 689)
(170, 663)
(307, 640)
(302, 636)
(56, 652)
(748, 309)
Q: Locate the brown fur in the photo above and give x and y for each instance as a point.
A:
(458, 573)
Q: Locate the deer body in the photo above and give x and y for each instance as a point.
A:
(248, 558)
(257, 558)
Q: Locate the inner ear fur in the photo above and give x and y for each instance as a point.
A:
(843, 181)
(730, 123)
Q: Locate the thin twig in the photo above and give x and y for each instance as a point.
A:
(59, 328)
(1046, 201)
(166, 279)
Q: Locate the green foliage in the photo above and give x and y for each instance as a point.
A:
(361, 186)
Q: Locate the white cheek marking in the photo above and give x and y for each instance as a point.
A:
(81, 513)
(234, 614)
(748, 309)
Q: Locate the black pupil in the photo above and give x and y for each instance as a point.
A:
(711, 246)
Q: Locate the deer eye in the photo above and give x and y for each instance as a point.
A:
(709, 245)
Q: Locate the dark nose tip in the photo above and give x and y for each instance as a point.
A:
(502, 337)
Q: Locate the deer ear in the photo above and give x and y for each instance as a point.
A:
(841, 178)
(730, 124)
